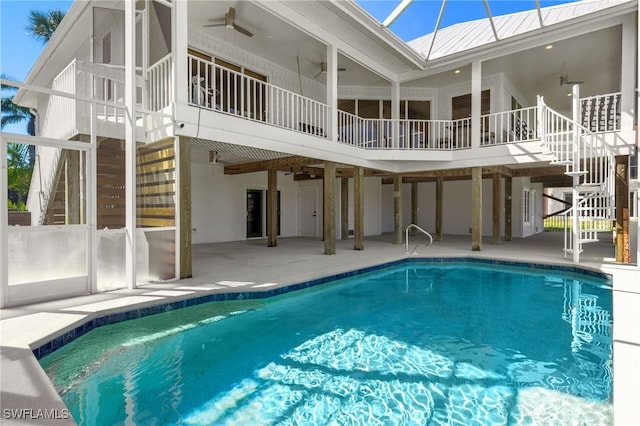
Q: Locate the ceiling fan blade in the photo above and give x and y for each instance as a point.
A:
(215, 24)
(317, 75)
(230, 17)
(342, 69)
(242, 30)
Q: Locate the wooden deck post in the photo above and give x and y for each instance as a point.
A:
(414, 205)
(344, 208)
(358, 208)
(272, 208)
(72, 188)
(476, 208)
(497, 208)
(329, 207)
(621, 191)
(508, 196)
(439, 206)
(397, 209)
(184, 167)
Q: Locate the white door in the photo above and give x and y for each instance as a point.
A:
(308, 211)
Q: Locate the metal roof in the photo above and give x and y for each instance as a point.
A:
(468, 35)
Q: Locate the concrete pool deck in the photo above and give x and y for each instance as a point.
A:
(251, 266)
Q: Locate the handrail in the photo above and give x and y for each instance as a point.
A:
(406, 238)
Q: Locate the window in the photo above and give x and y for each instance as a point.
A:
(368, 108)
(461, 105)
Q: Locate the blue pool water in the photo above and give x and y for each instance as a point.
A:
(416, 343)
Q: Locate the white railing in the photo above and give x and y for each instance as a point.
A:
(105, 83)
(406, 238)
(159, 84)
(518, 125)
(373, 133)
(60, 119)
(589, 159)
(601, 113)
(223, 90)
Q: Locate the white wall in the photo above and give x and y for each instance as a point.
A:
(457, 207)
(219, 203)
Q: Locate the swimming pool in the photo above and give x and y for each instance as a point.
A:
(413, 343)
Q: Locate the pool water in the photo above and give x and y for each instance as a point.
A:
(416, 343)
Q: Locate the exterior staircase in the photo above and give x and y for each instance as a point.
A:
(591, 163)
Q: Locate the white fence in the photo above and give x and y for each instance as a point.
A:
(220, 89)
(601, 113)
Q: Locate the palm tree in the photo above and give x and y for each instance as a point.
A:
(43, 24)
(12, 113)
(20, 157)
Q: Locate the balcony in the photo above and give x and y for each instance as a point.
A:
(219, 89)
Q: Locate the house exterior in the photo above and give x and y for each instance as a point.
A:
(163, 124)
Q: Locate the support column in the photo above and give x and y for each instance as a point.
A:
(508, 215)
(332, 91)
(439, 206)
(476, 96)
(72, 187)
(329, 207)
(344, 208)
(130, 142)
(184, 179)
(272, 208)
(4, 220)
(628, 75)
(397, 209)
(395, 113)
(622, 203)
(497, 208)
(358, 208)
(476, 209)
(414, 205)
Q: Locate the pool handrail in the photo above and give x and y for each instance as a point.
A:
(406, 238)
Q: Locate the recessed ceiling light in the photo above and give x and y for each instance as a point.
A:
(549, 46)
(457, 71)
(569, 94)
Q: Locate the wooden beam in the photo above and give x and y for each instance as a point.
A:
(272, 208)
(344, 208)
(184, 179)
(508, 197)
(329, 207)
(397, 209)
(72, 187)
(358, 208)
(414, 205)
(439, 207)
(476, 209)
(497, 208)
(282, 164)
(621, 191)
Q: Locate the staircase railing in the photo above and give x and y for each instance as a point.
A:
(587, 157)
(406, 239)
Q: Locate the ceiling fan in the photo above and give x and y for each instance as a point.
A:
(230, 22)
(323, 69)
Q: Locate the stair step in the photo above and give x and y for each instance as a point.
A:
(576, 173)
(560, 162)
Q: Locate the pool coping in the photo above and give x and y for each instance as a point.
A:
(125, 313)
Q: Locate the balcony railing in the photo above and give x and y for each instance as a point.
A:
(221, 89)
(601, 113)
(520, 125)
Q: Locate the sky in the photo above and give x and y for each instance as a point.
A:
(19, 51)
